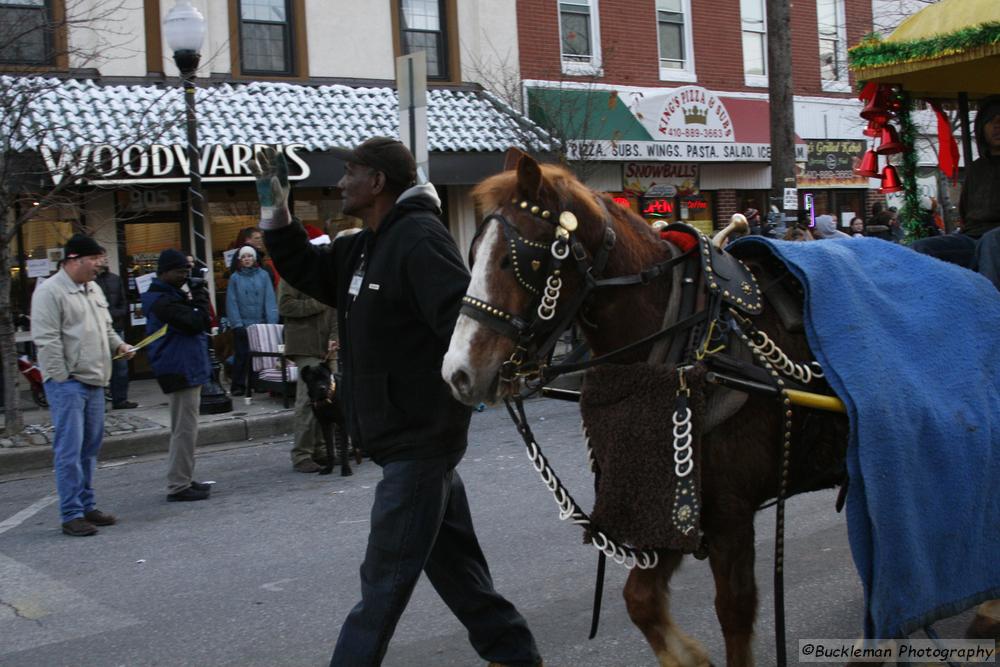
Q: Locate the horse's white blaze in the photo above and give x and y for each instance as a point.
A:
(459, 355)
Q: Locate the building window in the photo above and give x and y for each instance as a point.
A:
(26, 29)
(754, 23)
(832, 40)
(674, 34)
(422, 27)
(265, 37)
(579, 36)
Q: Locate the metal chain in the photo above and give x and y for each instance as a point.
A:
(568, 509)
(775, 356)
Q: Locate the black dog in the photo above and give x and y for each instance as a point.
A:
(326, 407)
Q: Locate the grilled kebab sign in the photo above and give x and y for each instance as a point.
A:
(107, 165)
(686, 124)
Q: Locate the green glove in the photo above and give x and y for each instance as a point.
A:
(271, 170)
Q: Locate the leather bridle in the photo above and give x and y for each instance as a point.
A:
(538, 268)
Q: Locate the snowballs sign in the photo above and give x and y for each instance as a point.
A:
(107, 165)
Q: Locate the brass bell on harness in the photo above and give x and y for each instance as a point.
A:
(568, 221)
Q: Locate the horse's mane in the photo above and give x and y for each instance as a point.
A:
(637, 247)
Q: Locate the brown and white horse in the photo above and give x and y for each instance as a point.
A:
(741, 453)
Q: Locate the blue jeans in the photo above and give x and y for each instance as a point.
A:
(420, 521)
(119, 378)
(77, 411)
(987, 259)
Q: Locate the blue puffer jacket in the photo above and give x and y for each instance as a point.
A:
(250, 298)
(180, 358)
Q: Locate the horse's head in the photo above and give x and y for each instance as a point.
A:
(542, 228)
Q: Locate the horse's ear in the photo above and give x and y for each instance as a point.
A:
(513, 156)
(529, 177)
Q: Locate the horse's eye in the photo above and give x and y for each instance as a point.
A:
(505, 262)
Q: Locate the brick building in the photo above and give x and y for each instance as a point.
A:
(665, 102)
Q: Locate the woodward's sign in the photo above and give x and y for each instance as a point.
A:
(108, 165)
(700, 151)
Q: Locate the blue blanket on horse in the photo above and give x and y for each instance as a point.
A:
(912, 347)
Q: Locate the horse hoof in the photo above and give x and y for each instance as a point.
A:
(326, 471)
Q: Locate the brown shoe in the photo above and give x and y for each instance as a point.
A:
(99, 518)
(79, 527)
(306, 466)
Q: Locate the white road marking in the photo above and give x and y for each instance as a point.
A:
(275, 586)
(27, 513)
(37, 610)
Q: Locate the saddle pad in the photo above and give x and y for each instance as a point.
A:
(909, 344)
(628, 417)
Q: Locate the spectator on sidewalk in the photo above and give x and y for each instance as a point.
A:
(75, 338)
(857, 227)
(253, 237)
(180, 362)
(249, 300)
(114, 292)
(310, 339)
(398, 287)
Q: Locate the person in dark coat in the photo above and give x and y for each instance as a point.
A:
(397, 287)
(979, 205)
(180, 362)
(114, 292)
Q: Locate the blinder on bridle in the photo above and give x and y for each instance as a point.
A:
(537, 267)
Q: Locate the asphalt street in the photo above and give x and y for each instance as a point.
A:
(264, 572)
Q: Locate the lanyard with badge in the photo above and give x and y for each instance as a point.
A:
(357, 279)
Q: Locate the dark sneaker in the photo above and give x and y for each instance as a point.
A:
(306, 466)
(79, 527)
(99, 518)
(201, 486)
(189, 493)
(124, 405)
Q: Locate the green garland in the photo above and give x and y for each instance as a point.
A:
(912, 217)
(874, 52)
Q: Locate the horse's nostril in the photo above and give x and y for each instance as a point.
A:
(460, 381)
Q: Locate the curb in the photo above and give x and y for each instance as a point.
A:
(152, 441)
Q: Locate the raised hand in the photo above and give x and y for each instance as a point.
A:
(271, 170)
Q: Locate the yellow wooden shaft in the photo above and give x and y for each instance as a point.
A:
(818, 401)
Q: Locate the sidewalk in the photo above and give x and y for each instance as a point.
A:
(145, 429)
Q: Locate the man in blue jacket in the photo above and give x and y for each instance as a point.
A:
(180, 362)
(397, 287)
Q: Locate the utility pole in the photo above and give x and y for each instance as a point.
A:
(779, 79)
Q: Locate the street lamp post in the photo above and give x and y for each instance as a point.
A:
(184, 30)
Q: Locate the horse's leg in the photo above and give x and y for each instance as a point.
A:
(647, 599)
(731, 555)
(986, 623)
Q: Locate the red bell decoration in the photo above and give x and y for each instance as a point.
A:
(889, 142)
(890, 180)
(869, 165)
(875, 111)
(873, 129)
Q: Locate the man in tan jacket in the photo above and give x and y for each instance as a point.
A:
(72, 329)
(310, 339)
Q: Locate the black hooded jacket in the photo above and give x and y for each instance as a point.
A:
(979, 204)
(395, 332)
